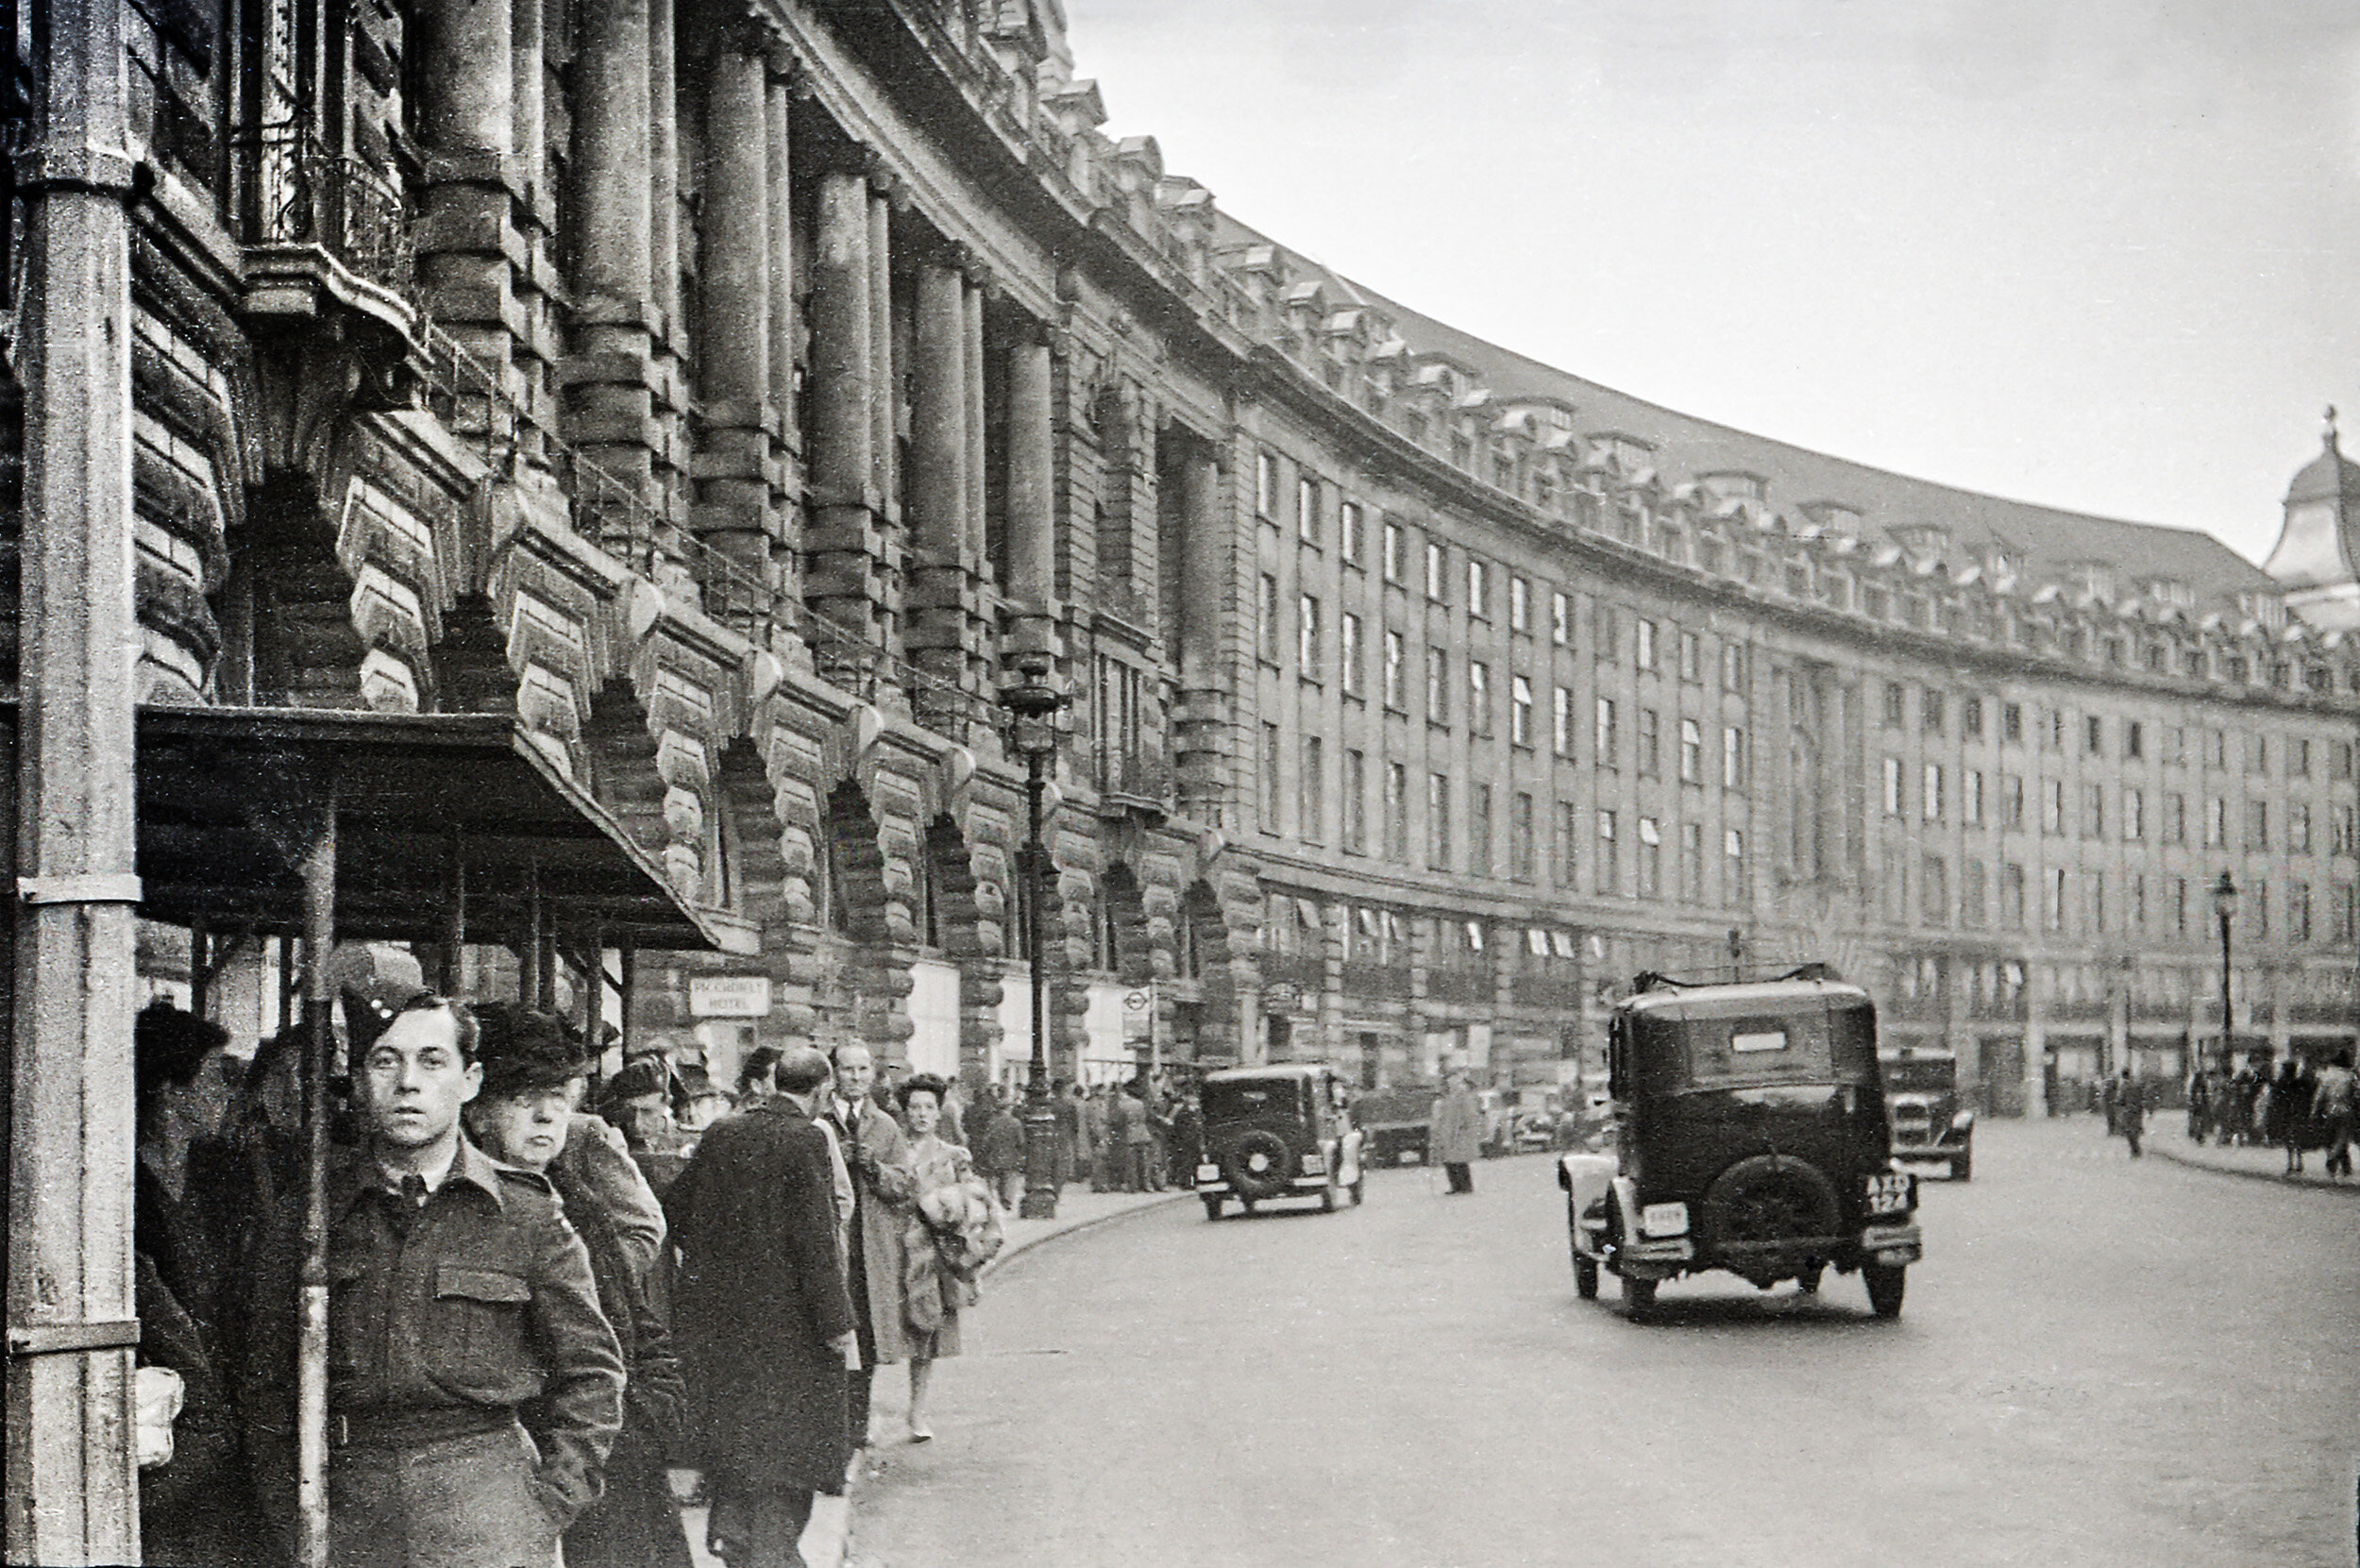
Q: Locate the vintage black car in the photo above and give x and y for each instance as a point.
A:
(1922, 1108)
(1749, 1136)
(1282, 1131)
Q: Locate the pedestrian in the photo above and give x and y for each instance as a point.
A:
(637, 1102)
(1188, 1139)
(1073, 1154)
(764, 1323)
(753, 1075)
(1000, 1150)
(460, 1294)
(1126, 1130)
(953, 1230)
(955, 1114)
(2130, 1113)
(534, 1071)
(1097, 1137)
(2110, 1099)
(883, 1186)
(2282, 1124)
(1456, 1134)
(2333, 1105)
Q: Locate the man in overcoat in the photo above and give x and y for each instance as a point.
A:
(884, 1184)
(762, 1320)
(1456, 1134)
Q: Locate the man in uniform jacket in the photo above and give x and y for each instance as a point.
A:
(885, 1184)
(458, 1292)
(761, 1319)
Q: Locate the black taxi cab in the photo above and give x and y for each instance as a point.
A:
(1750, 1137)
(1274, 1132)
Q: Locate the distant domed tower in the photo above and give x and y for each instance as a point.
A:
(2318, 558)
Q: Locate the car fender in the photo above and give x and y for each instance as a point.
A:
(1586, 1178)
(1348, 1156)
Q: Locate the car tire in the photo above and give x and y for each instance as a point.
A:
(1962, 1169)
(1638, 1296)
(1768, 1198)
(1884, 1283)
(1212, 1208)
(1236, 1163)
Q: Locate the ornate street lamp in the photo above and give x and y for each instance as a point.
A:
(1033, 705)
(2224, 910)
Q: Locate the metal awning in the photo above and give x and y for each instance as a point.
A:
(227, 798)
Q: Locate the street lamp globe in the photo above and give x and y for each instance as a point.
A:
(2225, 898)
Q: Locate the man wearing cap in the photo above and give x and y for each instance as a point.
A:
(884, 1184)
(457, 1293)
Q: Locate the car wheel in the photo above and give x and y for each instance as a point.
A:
(1212, 1208)
(1257, 1164)
(1638, 1295)
(1962, 1169)
(1808, 1281)
(1768, 1198)
(1884, 1288)
(1245, 1207)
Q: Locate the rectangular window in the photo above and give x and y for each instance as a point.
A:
(1437, 572)
(1266, 621)
(1607, 864)
(1480, 831)
(1933, 890)
(1896, 704)
(1355, 529)
(1265, 485)
(1650, 858)
(1646, 644)
(1437, 686)
(1519, 604)
(1520, 854)
(2257, 754)
(2053, 898)
(2298, 912)
(1395, 547)
(1733, 757)
(2216, 750)
(1479, 698)
(2138, 903)
(2215, 822)
(2052, 807)
(1437, 821)
(1560, 619)
(1606, 633)
(2134, 740)
(2012, 723)
(2012, 800)
(1478, 589)
(1893, 787)
(1692, 862)
(1568, 842)
(2092, 811)
(1308, 509)
(1929, 793)
(1929, 711)
(1562, 718)
(2257, 910)
(1973, 912)
(1735, 889)
(1692, 751)
(1268, 778)
(2133, 813)
(2012, 896)
(2257, 825)
(1520, 711)
(1971, 717)
(2340, 825)
(2175, 818)
(1310, 803)
(1733, 663)
(2340, 760)
(1307, 637)
(1650, 743)
(1398, 813)
(1971, 798)
(2298, 759)
(1356, 802)
(1692, 657)
(1395, 657)
(2093, 736)
(2093, 900)
(1348, 653)
(1605, 744)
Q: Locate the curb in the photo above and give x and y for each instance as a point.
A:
(1078, 1227)
(2274, 1178)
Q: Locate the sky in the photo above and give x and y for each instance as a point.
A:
(2102, 255)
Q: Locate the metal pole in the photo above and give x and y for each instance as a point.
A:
(528, 951)
(2225, 1035)
(319, 938)
(1041, 1116)
(200, 967)
(628, 957)
(454, 918)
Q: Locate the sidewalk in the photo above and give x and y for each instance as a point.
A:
(827, 1540)
(2169, 1141)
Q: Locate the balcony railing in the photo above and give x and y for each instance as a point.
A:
(1139, 775)
(307, 193)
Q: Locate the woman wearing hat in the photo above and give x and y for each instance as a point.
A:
(533, 1074)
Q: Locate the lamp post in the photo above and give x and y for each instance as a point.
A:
(1033, 705)
(2224, 910)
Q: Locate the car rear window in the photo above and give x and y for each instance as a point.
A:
(1774, 1048)
(1251, 1097)
(1918, 1075)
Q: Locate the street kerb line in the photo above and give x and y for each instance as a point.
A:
(1079, 1226)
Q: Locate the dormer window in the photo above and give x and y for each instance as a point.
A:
(1733, 484)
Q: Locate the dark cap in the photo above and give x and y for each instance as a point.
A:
(641, 1077)
(522, 1049)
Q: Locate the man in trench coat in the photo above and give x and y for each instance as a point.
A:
(1456, 1134)
(762, 1320)
(884, 1184)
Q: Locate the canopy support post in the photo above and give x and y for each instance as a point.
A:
(454, 918)
(629, 988)
(319, 940)
(528, 951)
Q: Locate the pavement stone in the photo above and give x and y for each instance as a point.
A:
(828, 1540)
(2254, 1162)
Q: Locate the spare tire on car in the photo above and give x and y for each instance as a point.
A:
(1257, 1164)
(1768, 1198)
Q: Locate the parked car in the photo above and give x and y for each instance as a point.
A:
(1750, 1137)
(1396, 1122)
(1923, 1110)
(1282, 1131)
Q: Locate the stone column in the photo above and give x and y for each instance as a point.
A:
(1204, 572)
(468, 89)
(613, 154)
(937, 505)
(884, 385)
(845, 547)
(971, 378)
(732, 492)
(663, 162)
(69, 1478)
(526, 82)
(1032, 478)
(780, 99)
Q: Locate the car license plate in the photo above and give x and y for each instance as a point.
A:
(1208, 1172)
(1888, 1193)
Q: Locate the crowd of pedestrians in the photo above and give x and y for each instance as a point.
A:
(2298, 1108)
(543, 1297)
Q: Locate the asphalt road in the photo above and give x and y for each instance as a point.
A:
(2099, 1362)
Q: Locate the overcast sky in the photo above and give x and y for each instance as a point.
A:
(2100, 254)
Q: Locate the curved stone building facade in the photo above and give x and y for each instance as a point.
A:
(731, 391)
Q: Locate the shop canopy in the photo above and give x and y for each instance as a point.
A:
(439, 818)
